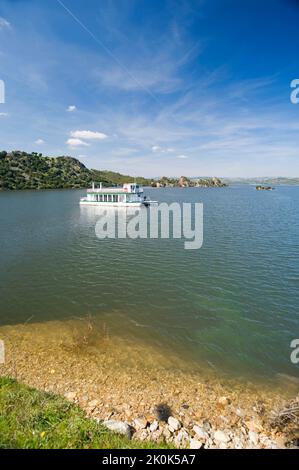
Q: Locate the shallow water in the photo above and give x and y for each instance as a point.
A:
(231, 306)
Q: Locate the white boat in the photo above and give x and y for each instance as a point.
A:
(129, 195)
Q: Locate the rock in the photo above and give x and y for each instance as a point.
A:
(200, 432)
(220, 436)
(209, 444)
(141, 435)
(254, 425)
(154, 426)
(240, 413)
(93, 404)
(195, 444)
(207, 426)
(183, 182)
(237, 443)
(140, 423)
(173, 424)
(223, 401)
(118, 426)
(156, 435)
(182, 438)
(281, 442)
(166, 433)
(223, 445)
(185, 406)
(70, 395)
(253, 437)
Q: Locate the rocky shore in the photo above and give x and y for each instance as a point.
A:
(184, 182)
(142, 393)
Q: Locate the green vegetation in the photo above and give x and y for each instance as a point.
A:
(37, 420)
(21, 170)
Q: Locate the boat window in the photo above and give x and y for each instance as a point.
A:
(105, 197)
(109, 197)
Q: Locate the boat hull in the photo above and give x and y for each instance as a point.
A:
(111, 204)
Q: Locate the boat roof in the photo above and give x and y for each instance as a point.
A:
(107, 190)
(117, 190)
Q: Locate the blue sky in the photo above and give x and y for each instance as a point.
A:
(153, 87)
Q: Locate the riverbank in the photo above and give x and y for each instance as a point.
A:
(157, 397)
(31, 419)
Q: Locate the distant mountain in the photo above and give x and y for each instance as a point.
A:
(268, 181)
(21, 170)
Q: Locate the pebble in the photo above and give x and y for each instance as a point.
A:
(93, 404)
(200, 432)
(141, 435)
(140, 423)
(254, 426)
(195, 444)
(253, 437)
(182, 438)
(223, 401)
(156, 435)
(223, 445)
(154, 426)
(207, 426)
(70, 395)
(220, 436)
(173, 424)
(240, 413)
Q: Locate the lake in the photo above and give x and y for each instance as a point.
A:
(231, 307)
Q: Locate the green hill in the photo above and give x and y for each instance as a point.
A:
(21, 170)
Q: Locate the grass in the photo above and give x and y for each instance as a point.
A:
(30, 419)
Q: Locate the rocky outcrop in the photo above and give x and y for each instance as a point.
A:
(184, 182)
(264, 188)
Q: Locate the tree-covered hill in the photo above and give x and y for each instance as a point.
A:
(21, 170)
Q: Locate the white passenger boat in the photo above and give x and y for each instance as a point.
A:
(129, 195)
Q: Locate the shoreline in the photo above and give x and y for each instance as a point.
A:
(132, 383)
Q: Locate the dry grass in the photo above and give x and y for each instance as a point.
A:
(288, 414)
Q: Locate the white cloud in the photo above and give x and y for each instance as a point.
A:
(3, 114)
(76, 143)
(88, 135)
(157, 148)
(182, 156)
(71, 108)
(39, 142)
(4, 23)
